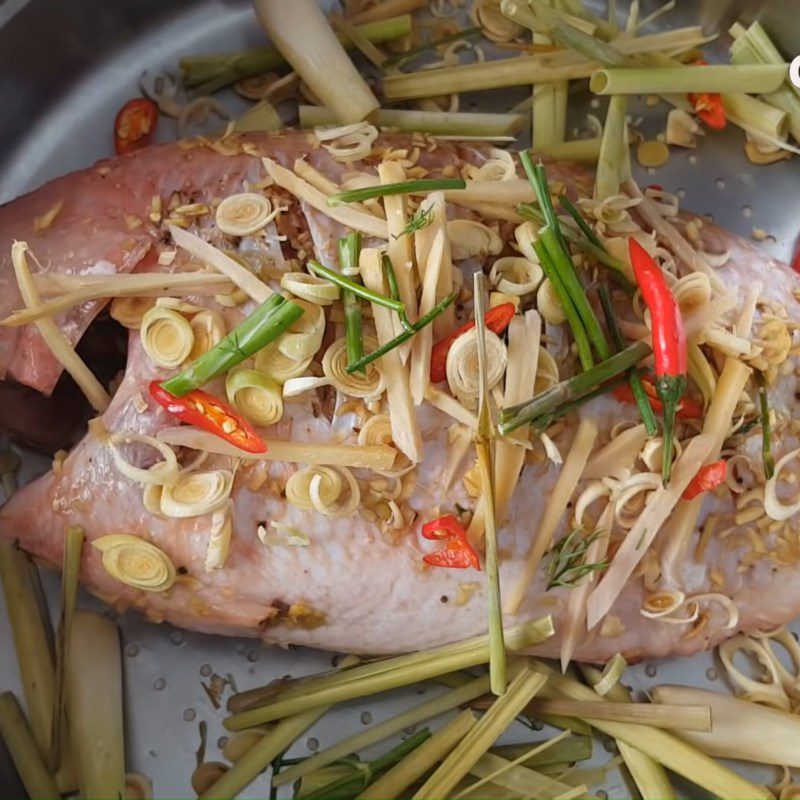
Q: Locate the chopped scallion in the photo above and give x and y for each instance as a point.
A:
(767, 458)
(349, 249)
(404, 187)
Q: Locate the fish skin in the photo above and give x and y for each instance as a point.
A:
(374, 592)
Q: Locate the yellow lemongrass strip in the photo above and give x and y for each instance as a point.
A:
(506, 193)
(446, 321)
(523, 356)
(618, 455)
(697, 320)
(571, 473)
(717, 423)
(422, 343)
(61, 349)
(520, 781)
(450, 406)
(661, 746)
(310, 453)
(402, 414)
(252, 286)
(150, 284)
(483, 735)
(742, 729)
(302, 190)
(400, 249)
(659, 507)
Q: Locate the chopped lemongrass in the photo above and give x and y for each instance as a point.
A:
(196, 493)
(570, 749)
(751, 79)
(444, 123)
(167, 337)
(369, 679)
(405, 187)
(755, 116)
(418, 763)
(305, 38)
(353, 744)
(136, 562)
(359, 41)
(609, 163)
(483, 734)
(467, 33)
(585, 151)
(254, 395)
(243, 214)
(513, 780)
(264, 325)
(94, 671)
(310, 288)
(73, 550)
(32, 641)
(263, 117)
(38, 781)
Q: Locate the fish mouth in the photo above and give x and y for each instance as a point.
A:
(48, 423)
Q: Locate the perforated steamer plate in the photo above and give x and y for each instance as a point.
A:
(64, 70)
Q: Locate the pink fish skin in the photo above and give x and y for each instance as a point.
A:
(367, 591)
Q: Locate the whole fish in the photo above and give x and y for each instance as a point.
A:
(359, 583)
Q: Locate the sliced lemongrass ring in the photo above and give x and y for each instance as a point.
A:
(197, 493)
(162, 473)
(271, 361)
(334, 365)
(167, 337)
(786, 506)
(255, 395)
(303, 337)
(377, 431)
(151, 498)
(661, 604)
(338, 508)
(328, 489)
(470, 239)
(463, 375)
(129, 311)
(516, 276)
(243, 214)
(310, 287)
(209, 330)
(135, 562)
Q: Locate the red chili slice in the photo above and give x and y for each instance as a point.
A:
(708, 477)
(708, 105)
(457, 553)
(135, 125)
(208, 413)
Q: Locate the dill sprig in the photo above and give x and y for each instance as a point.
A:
(567, 566)
(421, 219)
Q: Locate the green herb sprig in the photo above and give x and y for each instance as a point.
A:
(568, 566)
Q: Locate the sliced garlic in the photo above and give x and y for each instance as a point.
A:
(271, 361)
(357, 384)
(255, 395)
(549, 305)
(310, 287)
(243, 214)
(463, 375)
(525, 236)
(303, 337)
(197, 493)
(209, 330)
(219, 541)
(682, 128)
(516, 276)
(128, 311)
(470, 239)
(167, 337)
(135, 562)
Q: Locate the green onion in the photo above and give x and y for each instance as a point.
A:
(356, 288)
(586, 229)
(572, 388)
(349, 249)
(468, 33)
(767, 458)
(391, 278)
(404, 187)
(634, 377)
(264, 325)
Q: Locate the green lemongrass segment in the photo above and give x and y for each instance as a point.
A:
(751, 79)
(380, 676)
(263, 117)
(353, 744)
(661, 746)
(403, 337)
(209, 73)
(38, 781)
(30, 630)
(404, 187)
(570, 749)
(349, 250)
(347, 786)
(94, 706)
(264, 325)
(634, 377)
(609, 164)
(361, 43)
(485, 451)
(572, 388)
(73, 550)
(458, 36)
(584, 151)
(356, 288)
(445, 123)
(756, 117)
(487, 730)
(767, 459)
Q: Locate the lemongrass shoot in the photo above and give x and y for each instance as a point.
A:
(752, 79)
(391, 673)
(609, 163)
(304, 36)
(442, 123)
(32, 641)
(263, 117)
(94, 706)
(33, 772)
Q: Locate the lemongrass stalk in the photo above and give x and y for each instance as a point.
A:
(394, 782)
(434, 122)
(752, 78)
(608, 176)
(518, 781)
(32, 641)
(585, 151)
(73, 550)
(94, 706)
(742, 729)
(486, 75)
(361, 43)
(25, 753)
(388, 7)
(304, 36)
(755, 116)
(491, 725)
(663, 747)
(263, 117)
(380, 676)
(573, 748)
(209, 73)
(353, 744)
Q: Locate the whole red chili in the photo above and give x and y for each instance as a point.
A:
(457, 553)
(708, 477)
(669, 341)
(687, 407)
